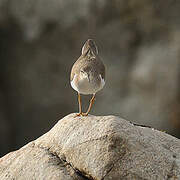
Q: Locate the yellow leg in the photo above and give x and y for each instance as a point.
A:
(80, 107)
(90, 105)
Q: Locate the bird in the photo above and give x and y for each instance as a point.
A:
(87, 74)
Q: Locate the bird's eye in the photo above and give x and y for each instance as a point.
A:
(81, 71)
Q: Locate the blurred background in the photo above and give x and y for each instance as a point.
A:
(138, 40)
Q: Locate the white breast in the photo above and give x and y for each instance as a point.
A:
(73, 83)
(102, 81)
(83, 86)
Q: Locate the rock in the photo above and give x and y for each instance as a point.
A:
(40, 40)
(95, 147)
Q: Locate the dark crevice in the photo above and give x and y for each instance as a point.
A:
(81, 174)
(109, 171)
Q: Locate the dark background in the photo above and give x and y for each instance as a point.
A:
(138, 40)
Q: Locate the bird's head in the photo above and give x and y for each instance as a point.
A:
(89, 48)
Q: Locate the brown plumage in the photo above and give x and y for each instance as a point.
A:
(88, 73)
(86, 61)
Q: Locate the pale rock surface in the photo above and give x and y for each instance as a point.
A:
(138, 41)
(95, 147)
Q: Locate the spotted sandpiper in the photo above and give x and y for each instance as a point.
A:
(88, 74)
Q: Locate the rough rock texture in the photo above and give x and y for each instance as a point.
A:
(95, 147)
(139, 41)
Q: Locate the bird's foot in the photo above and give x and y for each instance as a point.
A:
(85, 114)
(78, 114)
(81, 114)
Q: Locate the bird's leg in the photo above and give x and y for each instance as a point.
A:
(90, 105)
(80, 108)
